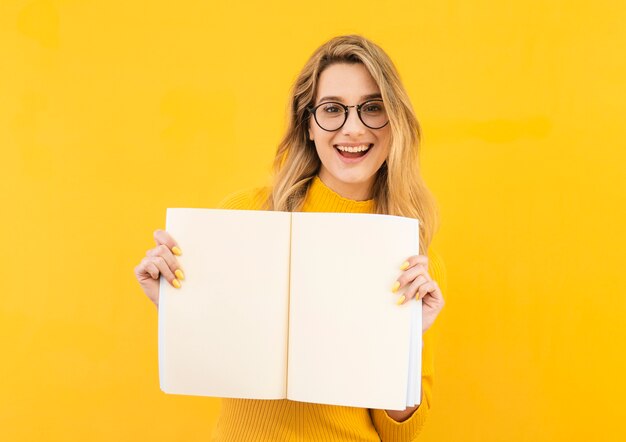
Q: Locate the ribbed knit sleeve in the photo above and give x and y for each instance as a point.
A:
(437, 270)
(387, 428)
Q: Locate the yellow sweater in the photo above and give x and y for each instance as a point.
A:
(286, 420)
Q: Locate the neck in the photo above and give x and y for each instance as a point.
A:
(352, 191)
(321, 198)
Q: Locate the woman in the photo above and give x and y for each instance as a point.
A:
(351, 146)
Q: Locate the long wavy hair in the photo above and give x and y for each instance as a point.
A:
(399, 188)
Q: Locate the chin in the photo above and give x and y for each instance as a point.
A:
(354, 178)
(356, 174)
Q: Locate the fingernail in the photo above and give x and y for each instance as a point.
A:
(179, 274)
(176, 251)
(401, 300)
(176, 283)
(396, 286)
(405, 265)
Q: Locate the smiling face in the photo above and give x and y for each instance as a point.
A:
(350, 174)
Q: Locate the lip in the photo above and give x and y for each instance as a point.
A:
(351, 144)
(352, 160)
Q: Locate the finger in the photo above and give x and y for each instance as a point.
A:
(167, 273)
(152, 270)
(415, 260)
(410, 292)
(430, 288)
(163, 251)
(146, 269)
(162, 237)
(409, 275)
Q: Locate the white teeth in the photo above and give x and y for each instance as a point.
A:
(361, 148)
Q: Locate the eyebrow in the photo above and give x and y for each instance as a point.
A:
(335, 98)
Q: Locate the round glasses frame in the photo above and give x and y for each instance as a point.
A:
(346, 110)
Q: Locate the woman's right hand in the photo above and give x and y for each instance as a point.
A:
(159, 261)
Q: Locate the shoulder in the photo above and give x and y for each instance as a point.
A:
(246, 199)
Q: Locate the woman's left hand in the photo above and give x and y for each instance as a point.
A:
(420, 286)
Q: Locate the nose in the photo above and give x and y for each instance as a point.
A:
(353, 124)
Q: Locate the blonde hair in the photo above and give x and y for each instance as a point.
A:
(399, 188)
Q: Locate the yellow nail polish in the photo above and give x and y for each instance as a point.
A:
(401, 300)
(176, 283)
(179, 274)
(176, 251)
(405, 265)
(396, 286)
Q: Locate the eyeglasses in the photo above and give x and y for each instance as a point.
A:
(331, 116)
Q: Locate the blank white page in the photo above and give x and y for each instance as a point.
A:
(224, 332)
(348, 340)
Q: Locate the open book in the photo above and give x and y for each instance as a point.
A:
(280, 305)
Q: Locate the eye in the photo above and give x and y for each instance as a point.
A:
(332, 108)
(372, 107)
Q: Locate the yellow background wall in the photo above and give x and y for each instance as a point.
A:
(112, 111)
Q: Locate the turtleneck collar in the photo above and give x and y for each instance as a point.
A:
(320, 198)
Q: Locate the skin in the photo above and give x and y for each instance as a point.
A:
(351, 82)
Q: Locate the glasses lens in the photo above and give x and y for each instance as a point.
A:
(373, 114)
(330, 116)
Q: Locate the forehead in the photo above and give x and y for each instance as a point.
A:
(347, 82)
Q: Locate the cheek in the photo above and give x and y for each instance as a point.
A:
(318, 135)
(385, 142)
(321, 139)
(323, 152)
(387, 149)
